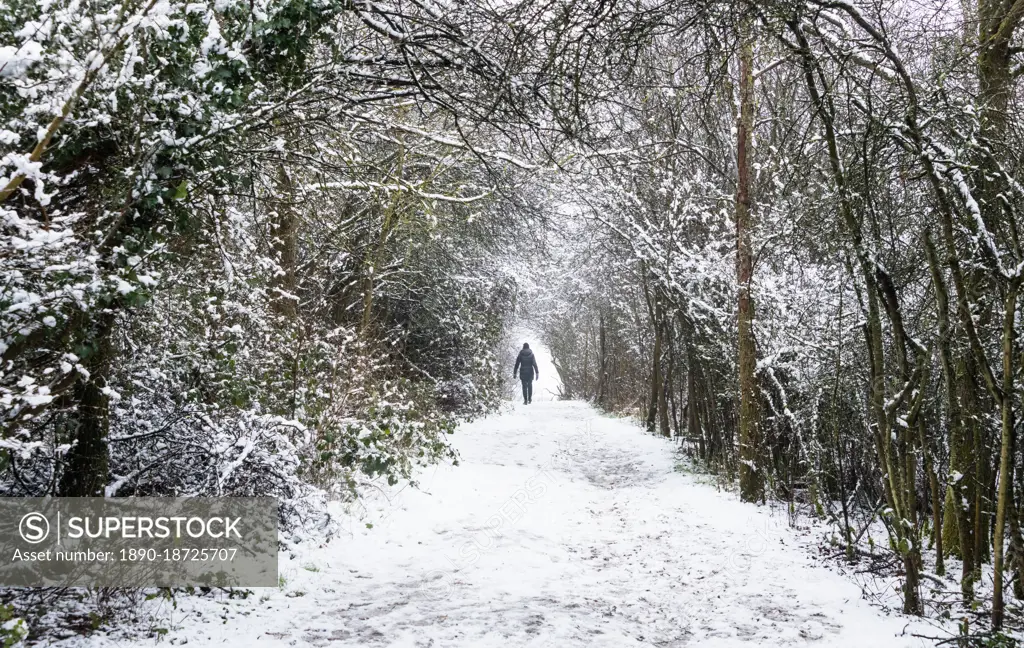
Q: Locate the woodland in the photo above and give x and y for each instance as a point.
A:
(275, 247)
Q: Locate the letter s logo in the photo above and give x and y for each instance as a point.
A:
(34, 528)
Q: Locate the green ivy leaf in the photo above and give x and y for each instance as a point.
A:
(181, 191)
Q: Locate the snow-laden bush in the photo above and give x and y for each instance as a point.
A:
(12, 628)
(215, 392)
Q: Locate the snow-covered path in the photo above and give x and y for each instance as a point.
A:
(561, 528)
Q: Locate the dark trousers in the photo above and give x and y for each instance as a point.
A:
(527, 389)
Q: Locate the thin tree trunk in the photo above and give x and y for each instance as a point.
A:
(602, 376)
(285, 245)
(1005, 452)
(1016, 547)
(936, 498)
(693, 427)
(663, 421)
(958, 489)
(652, 409)
(751, 477)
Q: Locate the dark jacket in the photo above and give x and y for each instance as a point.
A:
(526, 365)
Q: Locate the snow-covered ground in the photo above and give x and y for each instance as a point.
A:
(561, 528)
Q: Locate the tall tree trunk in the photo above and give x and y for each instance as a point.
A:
(86, 469)
(693, 427)
(997, 21)
(285, 245)
(912, 555)
(751, 477)
(652, 409)
(585, 373)
(602, 375)
(957, 530)
(1005, 451)
(666, 384)
(1016, 553)
(936, 497)
(984, 488)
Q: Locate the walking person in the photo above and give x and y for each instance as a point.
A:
(526, 369)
